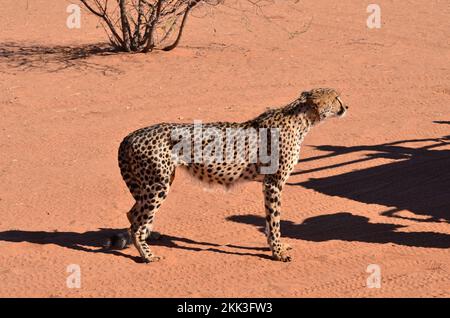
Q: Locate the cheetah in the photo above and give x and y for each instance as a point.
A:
(148, 159)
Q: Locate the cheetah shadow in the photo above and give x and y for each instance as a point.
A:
(416, 179)
(90, 241)
(94, 242)
(345, 226)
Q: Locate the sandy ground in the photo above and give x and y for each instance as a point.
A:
(372, 188)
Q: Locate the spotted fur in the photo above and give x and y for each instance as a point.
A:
(148, 167)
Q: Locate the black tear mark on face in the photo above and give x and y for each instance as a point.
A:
(342, 109)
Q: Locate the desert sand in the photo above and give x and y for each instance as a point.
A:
(371, 188)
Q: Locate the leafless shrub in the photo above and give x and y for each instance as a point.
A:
(142, 25)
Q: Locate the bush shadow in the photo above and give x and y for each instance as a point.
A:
(26, 57)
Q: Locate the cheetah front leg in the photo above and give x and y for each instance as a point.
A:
(272, 199)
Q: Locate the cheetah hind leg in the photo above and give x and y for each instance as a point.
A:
(142, 217)
(139, 232)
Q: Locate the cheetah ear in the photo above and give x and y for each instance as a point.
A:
(315, 107)
(305, 96)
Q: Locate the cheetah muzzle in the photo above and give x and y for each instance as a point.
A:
(149, 156)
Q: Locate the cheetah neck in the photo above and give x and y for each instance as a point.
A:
(294, 116)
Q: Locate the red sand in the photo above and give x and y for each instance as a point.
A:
(61, 124)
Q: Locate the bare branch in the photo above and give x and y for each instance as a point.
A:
(183, 22)
(142, 25)
(150, 45)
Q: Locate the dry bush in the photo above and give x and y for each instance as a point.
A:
(143, 25)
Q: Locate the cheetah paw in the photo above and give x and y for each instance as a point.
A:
(152, 259)
(286, 247)
(282, 257)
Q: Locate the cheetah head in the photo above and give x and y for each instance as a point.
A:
(324, 103)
